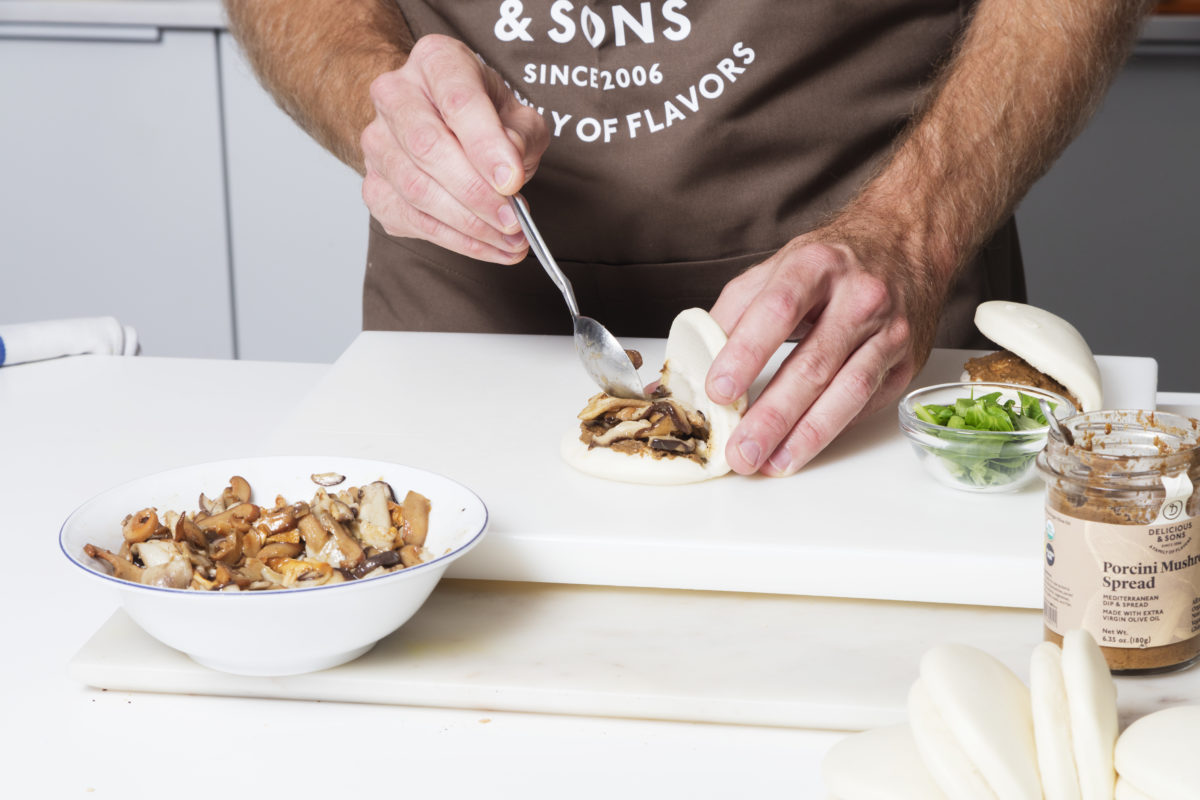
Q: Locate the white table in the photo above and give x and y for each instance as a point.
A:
(72, 428)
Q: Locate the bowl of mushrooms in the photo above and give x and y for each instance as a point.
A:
(276, 565)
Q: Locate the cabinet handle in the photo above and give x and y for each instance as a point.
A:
(74, 32)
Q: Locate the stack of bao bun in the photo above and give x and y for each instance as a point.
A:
(694, 340)
(976, 732)
(1040, 350)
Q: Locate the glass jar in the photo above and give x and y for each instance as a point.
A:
(1122, 537)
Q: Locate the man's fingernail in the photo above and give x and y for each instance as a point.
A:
(750, 451)
(516, 241)
(782, 460)
(507, 218)
(502, 176)
(723, 386)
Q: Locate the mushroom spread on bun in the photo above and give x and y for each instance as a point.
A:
(1040, 349)
(678, 435)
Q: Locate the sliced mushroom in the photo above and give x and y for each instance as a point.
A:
(327, 478)
(225, 522)
(337, 509)
(186, 530)
(122, 568)
(385, 558)
(670, 444)
(374, 524)
(601, 404)
(285, 518)
(351, 550)
(297, 571)
(410, 555)
(254, 570)
(279, 550)
(211, 507)
(141, 526)
(292, 537)
(228, 548)
(416, 518)
(677, 414)
(314, 535)
(252, 542)
(622, 430)
(660, 425)
(222, 577)
(166, 565)
(238, 491)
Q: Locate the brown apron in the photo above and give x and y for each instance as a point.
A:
(690, 139)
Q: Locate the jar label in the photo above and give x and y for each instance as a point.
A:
(1131, 586)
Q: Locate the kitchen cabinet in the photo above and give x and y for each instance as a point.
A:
(112, 199)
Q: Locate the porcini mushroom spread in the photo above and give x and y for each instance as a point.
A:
(232, 544)
(660, 427)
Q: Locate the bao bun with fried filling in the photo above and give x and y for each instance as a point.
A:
(1040, 349)
(678, 435)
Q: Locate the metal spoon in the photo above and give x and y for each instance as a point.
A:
(602, 355)
(1062, 433)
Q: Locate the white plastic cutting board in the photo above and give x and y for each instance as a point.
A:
(746, 659)
(863, 520)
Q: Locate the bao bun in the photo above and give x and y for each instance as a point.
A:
(692, 344)
(1156, 755)
(975, 731)
(1048, 343)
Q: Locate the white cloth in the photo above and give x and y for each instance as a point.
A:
(37, 341)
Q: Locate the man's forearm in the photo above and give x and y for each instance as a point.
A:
(1021, 85)
(318, 58)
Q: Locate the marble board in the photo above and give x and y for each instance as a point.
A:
(710, 657)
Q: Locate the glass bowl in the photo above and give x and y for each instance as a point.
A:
(977, 460)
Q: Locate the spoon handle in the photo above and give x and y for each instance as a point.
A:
(542, 253)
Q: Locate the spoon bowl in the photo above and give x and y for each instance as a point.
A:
(602, 356)
(605, 360)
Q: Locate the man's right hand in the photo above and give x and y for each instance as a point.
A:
(449, 144)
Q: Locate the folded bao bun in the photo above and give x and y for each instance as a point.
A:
(1156, 755)
(1092, 701)
(1074, 718)
(973, 725)
(880, 764)
(692, 344)
(1052, 724)
(1046, 342)
(952, 769)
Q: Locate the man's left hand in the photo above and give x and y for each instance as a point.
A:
(865, 334)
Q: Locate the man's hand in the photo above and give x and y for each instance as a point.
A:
(864, 337)
(448, 145)
(872, 283)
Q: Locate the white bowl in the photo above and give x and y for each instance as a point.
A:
(289, 631)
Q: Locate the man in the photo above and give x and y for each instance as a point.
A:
(843, 171)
